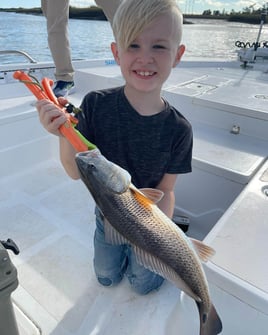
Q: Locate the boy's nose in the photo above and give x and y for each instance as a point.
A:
(145, 56)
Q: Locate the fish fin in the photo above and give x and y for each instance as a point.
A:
(210, 324)
(146, 196)
(112, 236)
(156, 265)
(204, 251)
(153, 194)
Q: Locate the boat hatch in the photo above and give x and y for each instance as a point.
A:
(195, 88)
(200, 86)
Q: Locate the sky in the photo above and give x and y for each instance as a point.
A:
(187, 6)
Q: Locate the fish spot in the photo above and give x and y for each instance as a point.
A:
(204, 319)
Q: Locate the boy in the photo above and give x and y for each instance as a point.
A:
(133, 126)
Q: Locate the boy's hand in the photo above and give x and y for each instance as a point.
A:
(51, 116)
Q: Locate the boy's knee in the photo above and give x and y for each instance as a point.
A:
(105, 281)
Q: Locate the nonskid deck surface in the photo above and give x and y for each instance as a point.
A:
(51, 218)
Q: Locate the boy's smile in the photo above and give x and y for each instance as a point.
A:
(144, 73)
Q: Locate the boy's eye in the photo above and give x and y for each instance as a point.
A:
(133, 46)
(158, 46)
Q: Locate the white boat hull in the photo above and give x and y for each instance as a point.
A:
(51, 217)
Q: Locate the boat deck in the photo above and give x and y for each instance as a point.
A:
(51, 217)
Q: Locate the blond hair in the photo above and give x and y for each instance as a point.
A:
(132, 16)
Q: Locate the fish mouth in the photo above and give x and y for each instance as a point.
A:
(94, 153)
(87, 156)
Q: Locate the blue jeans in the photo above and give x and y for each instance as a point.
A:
(112, 262)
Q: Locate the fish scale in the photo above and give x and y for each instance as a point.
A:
(147, 226)
(176, 254)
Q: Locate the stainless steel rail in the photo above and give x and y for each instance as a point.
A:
(19, 52)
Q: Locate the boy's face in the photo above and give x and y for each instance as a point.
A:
(147, 62)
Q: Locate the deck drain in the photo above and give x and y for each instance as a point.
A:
(261, 96)
(265, 190)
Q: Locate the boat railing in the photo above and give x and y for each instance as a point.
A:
(18, 52)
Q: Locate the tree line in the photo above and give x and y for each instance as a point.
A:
(248, 14)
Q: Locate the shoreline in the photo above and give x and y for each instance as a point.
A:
(96, 13)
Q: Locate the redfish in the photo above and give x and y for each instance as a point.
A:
(132, 217)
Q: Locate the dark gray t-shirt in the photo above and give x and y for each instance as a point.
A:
(146, 146)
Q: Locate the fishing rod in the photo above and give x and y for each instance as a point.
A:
(249, 54)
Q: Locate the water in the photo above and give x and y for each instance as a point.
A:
(91, 39)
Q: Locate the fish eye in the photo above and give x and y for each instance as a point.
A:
(91, 166)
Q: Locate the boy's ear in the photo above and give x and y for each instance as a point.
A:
(114, 50)
(179, 54)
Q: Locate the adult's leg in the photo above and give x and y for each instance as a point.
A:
(57, 15)
(109, 7)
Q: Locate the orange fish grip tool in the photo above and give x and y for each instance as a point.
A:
(44, 91)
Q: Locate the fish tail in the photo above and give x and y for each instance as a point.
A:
(210, 324)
